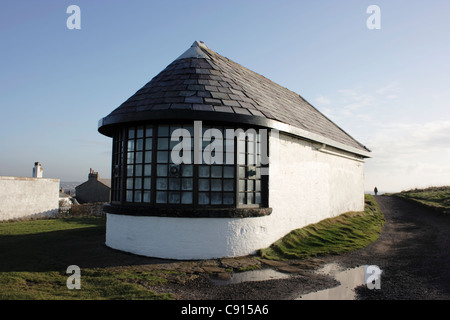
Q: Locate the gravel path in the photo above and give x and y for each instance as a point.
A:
(412, 252)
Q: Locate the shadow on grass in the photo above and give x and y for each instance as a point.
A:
(56, 250)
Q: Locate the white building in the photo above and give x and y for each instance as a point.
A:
(234, 205)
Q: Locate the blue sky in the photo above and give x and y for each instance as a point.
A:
(388, 88)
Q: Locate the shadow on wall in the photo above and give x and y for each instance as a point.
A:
(40, 215)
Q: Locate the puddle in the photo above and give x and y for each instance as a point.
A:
(349, 279)
(246, 276)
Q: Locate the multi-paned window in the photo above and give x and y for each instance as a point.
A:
(249, 164)
(145, 173)
(139, 164)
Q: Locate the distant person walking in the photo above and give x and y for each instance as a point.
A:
(375, 190)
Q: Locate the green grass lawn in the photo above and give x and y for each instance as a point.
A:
(35, 254)
(434, 197)
(346, 232)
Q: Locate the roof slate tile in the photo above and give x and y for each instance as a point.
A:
(217, 84)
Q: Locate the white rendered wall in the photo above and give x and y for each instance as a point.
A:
(28, 197)
(305, 186)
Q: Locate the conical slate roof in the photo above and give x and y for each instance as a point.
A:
(203, 85)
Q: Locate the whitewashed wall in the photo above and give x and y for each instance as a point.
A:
(305, 186)
(28, 197)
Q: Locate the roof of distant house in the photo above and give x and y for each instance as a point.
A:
(201, 84)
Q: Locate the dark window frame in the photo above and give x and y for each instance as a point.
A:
(120, 163)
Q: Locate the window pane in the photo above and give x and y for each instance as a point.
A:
(174, 197)
(147, 183)
(163, 157)
(139, 144)
(130, 145)
(186, 197)
(187, 184)
(228, 172)
(258, 185)
(251, 159)
(137, 196)
(129, 196)
(130, 183)
(216, 184)
(242, 172)
(138, 170)
(138, 183)
(203, 198)
(241, 198)
(190, 129)
(161, 170)
(147, 196)
(250, 185)
(148, 170)
(163, 143)
(228, 198)
(139, 157)
(241, 158)
(216, 198)
(163, 131)
(203, 171)
(174, 184)
(258, 198)
(228, 185)
(161, 184)
(140, 132)
(187, 170)
(148, 144)
(250, 198)
(131, 133)
(148, 156)
(203, 184)
(161, 197)
(216, 171)
(241, 185)
(130, 158)
(130, 170)
(148, 131)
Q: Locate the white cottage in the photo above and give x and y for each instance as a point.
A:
(213, 160)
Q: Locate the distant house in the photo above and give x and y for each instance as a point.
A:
(94, 190)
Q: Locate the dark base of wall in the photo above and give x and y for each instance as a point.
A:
(187, 212)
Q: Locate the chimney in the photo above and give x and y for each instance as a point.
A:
(37, 170)
(93, 175)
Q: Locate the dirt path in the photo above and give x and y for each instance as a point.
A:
(412, 251)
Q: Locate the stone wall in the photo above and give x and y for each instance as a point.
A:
(87, 209)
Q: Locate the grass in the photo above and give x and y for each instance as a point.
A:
(346, 232)
(437, 198)
(35, 254)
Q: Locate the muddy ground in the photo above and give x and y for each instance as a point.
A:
(412, 252)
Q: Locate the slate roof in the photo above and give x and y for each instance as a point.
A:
(202, 80)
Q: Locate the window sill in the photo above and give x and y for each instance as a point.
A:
(179, 212)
